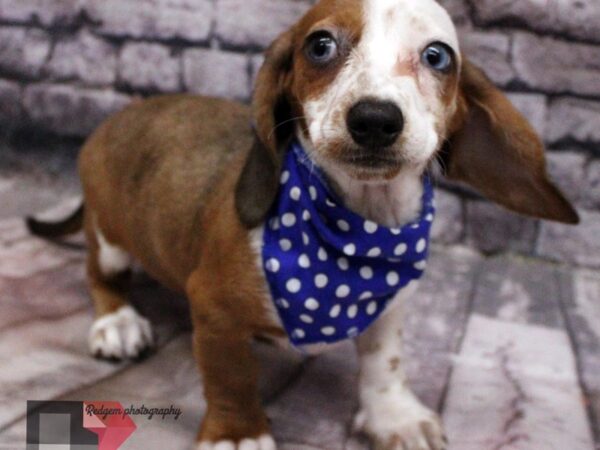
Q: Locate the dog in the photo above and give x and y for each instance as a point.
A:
(361, 97)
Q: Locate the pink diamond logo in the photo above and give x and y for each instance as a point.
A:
(109, 421)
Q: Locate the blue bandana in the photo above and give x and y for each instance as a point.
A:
(331, 273)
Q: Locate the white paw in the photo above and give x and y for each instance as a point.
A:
(400, 422)
(264, 442)
(120, 335)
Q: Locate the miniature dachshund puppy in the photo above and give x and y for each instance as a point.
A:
(305, 217)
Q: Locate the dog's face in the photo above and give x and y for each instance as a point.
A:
(376, 88)
(376, 84)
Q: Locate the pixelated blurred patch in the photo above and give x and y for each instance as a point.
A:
(58, 425)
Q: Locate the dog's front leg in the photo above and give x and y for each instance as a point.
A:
(390, 414)
(234, 418)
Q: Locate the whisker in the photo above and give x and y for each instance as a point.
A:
(440, 160)
(283, 123)
(431, 169)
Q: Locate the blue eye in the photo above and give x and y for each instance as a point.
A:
(438, 56)
(321, 48)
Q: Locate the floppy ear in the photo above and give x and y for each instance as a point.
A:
(497, 152)
(259, 180)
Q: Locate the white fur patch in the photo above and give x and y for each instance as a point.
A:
(120, 335)
(399, 421)
(389, 412)
(111, 259)
(264, 442)
(398, 31)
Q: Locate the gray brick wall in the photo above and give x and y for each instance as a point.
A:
(66, 64)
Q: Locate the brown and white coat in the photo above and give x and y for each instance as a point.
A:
(182, 185)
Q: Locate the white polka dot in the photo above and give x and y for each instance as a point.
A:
(313, 192)
(372, 308)
(392, 278)
(288, 220)
(272, 265)
(343, 225)
(366, 272)
(306, 215)
(400, 249)
(374, 252)
(305, 238)
(328, 331)
(370, 227)
(293, 285)
(285, 244)
(335, 311)
(311, 304)
(421, 246)
(342, 291)
(429, 217)
(304, 261)
(365, 295)
(420, 265)
(298, 333)
(306, 318)
(295, 193)
(343, 263)
(330, 203)
(274, 223)
(283, 303)
(322, 254)
(321, 280)
(285, 176)
(352, 311)
(395, 231)
(352, 332)
(350, 249)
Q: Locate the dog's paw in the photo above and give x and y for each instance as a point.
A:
(400, 422)
(264, 442)
(121, 335)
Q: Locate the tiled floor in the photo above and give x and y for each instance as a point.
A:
(506, 348)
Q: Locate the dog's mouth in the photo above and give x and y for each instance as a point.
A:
(372, 159)
(371, 165)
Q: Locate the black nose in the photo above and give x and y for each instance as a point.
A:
(375, 124)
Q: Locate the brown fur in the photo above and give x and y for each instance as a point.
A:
(159, 181)
(496, 150)
(344, 19)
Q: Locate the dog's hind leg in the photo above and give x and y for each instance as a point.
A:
(119, 332)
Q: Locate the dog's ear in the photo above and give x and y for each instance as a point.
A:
(496, 151)
(272, 114)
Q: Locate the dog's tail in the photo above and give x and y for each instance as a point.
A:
(52, 230)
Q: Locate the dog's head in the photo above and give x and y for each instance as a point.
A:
(376, 87)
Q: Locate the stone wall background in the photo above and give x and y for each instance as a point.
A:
(66, 64)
